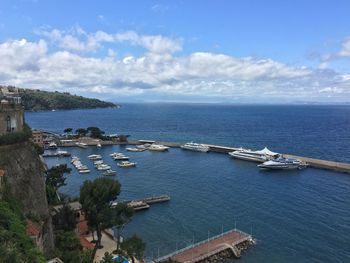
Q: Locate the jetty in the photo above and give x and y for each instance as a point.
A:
(145, 203)
(230, 243)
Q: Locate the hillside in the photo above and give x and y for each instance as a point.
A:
(37, 100)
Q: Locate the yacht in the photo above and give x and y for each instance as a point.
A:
(96, 163)
(99, 145)
(126, 164)
(255, 156)
(85, 171)
(95, 157)
(136, 149)
(195, 147)
(52, 145)
(158, 148)
(120, 158)
(103, 167)
(81, 145)
(116, 153)
(109, 172)
(283, 164)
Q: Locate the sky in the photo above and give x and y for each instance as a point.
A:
(240, 51)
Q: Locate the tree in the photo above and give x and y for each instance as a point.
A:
(107, 258)
(95, 132)
(65, 219)
(54, 180)
(96, 197)
(133, 247)
(122, 214)
(68, 131)
(81, 132)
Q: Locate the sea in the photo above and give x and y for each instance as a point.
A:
(296, 216)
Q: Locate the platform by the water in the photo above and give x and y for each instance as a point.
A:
(231, 241)
(145, 203)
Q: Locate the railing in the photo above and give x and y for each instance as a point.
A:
(205, 241)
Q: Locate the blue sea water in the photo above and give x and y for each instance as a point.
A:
(297, 216)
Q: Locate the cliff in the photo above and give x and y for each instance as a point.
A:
(25, 178)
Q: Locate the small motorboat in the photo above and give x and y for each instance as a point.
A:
(95, 157)
(81, 145)
(158, 148)
(126, 164)
(120, 158)
(109, 172)
(103, 167)
(84, 171)
(136, 149)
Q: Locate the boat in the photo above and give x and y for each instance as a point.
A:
(158, 148)
(103, 167)
(136, 149)
(116, 153)
(120, 158)
(141, 147)
(195, 147)
(126, 164)
(85, 171)
(95, 157)
(82, 167)
(99, 145)
(52, 145)
(81, 145)
(255, 156)
(109, 172)
(96, 163)
(282, 163)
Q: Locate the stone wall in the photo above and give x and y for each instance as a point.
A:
(11, 118)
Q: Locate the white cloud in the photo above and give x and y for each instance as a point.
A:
(345, 51)
(201, 74)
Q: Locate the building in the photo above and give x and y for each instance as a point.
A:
(11, 112)
(33, 230)
(38, 137)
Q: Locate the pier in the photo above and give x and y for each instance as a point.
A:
(141, 204)
(233, 242)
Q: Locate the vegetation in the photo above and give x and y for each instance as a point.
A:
(16, 137)
(54, 180)
(122, 214)
(133, 247)
(15, 245)
(37, 100)
(96, 198)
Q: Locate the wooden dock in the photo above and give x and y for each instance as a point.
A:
(233, 241)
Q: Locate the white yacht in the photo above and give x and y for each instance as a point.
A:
(95, 157)
(81, 145)
(283, 164)
(130, 149)
(126, 164)
(120, 157)
(52, 145)
(85, 171)
(255, 156)
(195, 147)
(158, 148)
(99, 145)
(109, 172)
(103, 167)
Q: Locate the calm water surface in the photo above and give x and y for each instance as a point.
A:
(297, 216)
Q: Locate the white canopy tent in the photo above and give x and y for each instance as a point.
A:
(266, 151)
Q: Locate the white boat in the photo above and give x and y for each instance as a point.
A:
(85, 171)
(52, 145)
(158, 148)
(82, 167)
(283, 164)
(195, 147)
(141, 147)
(95, 157)
(109, 172)
(126, 164)
(99, 145)
(103, 167)
(81, 145)
(255, 156)
(136, 149)
(98, 162)
(120, 158)
(116, 153)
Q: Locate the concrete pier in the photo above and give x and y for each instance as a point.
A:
(233, 241)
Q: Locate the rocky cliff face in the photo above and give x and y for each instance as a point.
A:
(25, 177)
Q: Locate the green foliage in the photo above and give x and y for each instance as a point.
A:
(15, 245)
(36, 100)
(16, 137)
(95, 132)
(65, 219)
(122, 214)
(40, 150)
(68, 248)
(107, 258)
(81, 131)
(95, 198)
(54, 180)
(68, 130)
(133, 247)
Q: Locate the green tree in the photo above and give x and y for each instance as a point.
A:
(65, 219)
(122, 214)
(133, 247)
(95, 132)
(68, 131)
(54, 180)
(96, 197)
(81, 132)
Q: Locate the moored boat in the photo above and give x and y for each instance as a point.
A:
(283, 164)
(126, 164)
(158, 148)
(95, 157)
(195, 147)
(81, 145)
(109, 172)
(255, 156)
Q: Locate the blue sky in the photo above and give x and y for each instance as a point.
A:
(201, 51)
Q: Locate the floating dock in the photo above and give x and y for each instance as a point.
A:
(141, 204)
(233, 241)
